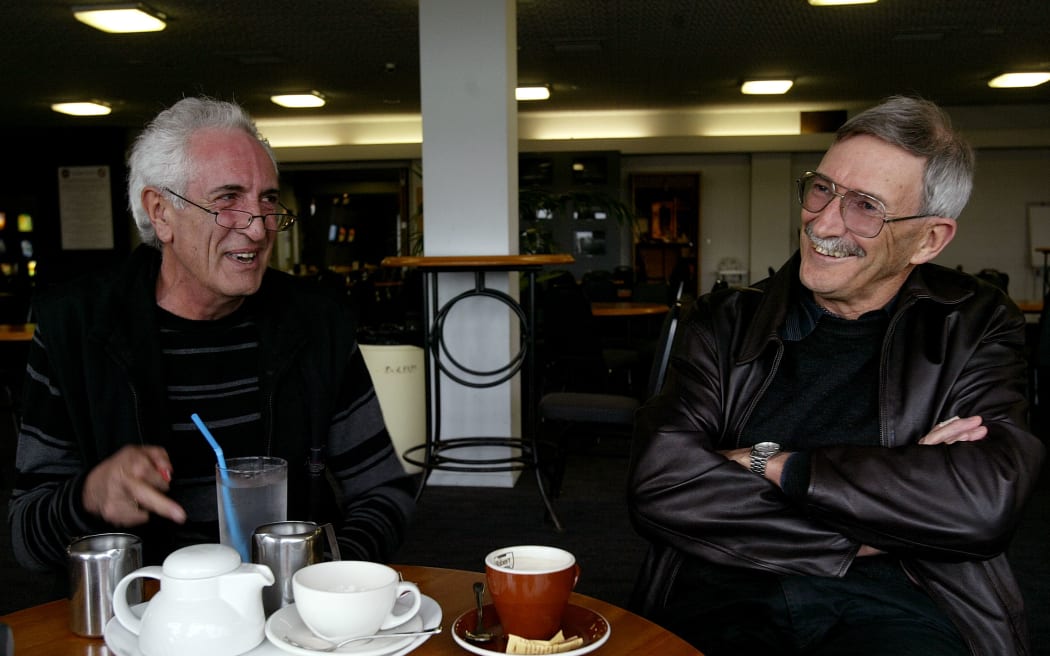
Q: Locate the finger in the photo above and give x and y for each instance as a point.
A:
(954, 430)
(159, 462)
(959, 423)
(947, 421)
(155, 501)
(974, 435)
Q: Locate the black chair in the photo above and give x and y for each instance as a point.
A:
(571, 350)
(598, 286)
(1039, 370)
(613, 412)
(623, 278)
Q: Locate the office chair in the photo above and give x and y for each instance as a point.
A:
(614, 411)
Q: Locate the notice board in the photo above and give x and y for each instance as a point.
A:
(85, 207)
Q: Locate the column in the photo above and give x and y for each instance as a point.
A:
(468, 71)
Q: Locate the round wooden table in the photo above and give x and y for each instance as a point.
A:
(44, 630)
(627, 309)
(16, 332)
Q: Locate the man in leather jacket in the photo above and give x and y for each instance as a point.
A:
(841, 453)
(196, 322)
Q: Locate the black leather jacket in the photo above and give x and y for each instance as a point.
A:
(954, 346)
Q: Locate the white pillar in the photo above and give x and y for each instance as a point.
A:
(468, 71)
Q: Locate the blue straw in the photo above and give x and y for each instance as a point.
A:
(227, 504)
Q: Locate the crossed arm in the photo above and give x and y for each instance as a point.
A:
(955, 429)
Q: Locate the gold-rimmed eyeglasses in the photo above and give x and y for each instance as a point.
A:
(863, 215)
(242, 219)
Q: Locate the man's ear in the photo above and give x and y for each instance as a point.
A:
(937, 233)
(159, 213)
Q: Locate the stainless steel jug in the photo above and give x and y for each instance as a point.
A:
(96, 564)
(287, 547)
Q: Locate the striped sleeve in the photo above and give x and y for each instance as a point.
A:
(377, 494)
(46, 511)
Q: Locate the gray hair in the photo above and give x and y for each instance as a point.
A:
(160, 155)
(923, 129)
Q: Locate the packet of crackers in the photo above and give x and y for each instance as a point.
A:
(556, 645)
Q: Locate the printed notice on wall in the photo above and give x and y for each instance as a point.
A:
(85, 207)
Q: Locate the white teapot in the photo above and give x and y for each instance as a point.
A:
(209, 604)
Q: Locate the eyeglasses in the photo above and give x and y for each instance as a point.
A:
(862, 214)
(242, 220)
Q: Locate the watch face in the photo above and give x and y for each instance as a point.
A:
(767, 448)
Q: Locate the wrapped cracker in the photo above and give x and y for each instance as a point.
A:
(556, 645)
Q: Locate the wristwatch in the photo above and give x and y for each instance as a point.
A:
(760, 454)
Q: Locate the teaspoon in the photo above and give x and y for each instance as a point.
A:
(333, 647)
(478, 635)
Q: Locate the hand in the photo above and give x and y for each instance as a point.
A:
(129, 485)
(956, 429)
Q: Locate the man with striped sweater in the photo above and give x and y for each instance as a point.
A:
(196, 322)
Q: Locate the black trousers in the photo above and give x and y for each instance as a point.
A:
(873, 611)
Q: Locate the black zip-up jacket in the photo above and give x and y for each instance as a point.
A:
(95, 383)
(954, 346)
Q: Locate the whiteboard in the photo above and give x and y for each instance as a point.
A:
(1038, 232)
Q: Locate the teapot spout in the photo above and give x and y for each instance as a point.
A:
(242, 588)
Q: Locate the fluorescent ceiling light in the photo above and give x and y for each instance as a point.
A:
(82, 108)
(765, 87)
(836, 3)
(299, 100)
(1019, 80)
(532, 93)
(121, 19)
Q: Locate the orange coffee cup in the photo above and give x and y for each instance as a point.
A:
(530, 587)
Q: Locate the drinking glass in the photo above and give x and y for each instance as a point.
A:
(252, 491)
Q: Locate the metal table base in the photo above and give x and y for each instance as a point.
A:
(446, 453)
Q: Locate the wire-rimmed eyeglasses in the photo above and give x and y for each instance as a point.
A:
(242, 219)
(863, 215)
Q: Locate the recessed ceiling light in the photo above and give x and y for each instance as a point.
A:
(836, 3)
(1019, 80)
(765, 87)
(93, 108)
(532, 93)
(299, 100)
(121, 18)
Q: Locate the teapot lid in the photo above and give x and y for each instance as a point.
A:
(201, 561)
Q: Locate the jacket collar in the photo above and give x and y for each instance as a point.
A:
(780, 291)
(132, 303)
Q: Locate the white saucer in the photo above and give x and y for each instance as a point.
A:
(125, 643)
(286, 622)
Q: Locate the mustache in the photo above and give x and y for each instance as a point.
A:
(834, 245)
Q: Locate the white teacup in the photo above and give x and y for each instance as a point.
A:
(349, 598)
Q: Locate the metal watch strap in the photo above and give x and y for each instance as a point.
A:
(758, 463)
(760, 455)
